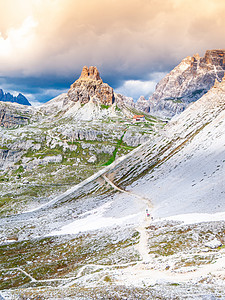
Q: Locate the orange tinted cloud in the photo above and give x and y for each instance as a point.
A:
(126, 39)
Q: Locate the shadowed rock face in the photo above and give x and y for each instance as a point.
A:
(7, 97)
(142, 104)
(187, 83)
(9, 119)
(90, 86)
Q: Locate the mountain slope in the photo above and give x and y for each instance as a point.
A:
(47, 149)
(192, 180)
(95, 240)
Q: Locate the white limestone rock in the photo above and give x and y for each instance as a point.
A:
(213, 244)
(187, 83)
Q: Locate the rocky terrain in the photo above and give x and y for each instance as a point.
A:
(7, 97)
(14, 115)
(96, 240)
(63, 139)
(186, 83)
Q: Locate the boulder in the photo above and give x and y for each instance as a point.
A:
(213, 244)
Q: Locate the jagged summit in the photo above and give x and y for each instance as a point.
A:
(187, 82)
(90, 73)
(90, 86)
(7, 97)
(215, 57)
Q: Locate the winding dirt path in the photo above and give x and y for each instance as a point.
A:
(22, 271)
(142, 246)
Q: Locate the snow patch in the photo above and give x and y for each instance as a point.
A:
(195, 218)
(96, 220)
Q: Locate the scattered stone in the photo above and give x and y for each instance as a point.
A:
(92, 159)
(213, 244)
(26, 181)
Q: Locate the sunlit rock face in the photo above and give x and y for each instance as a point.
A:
(91, 87)
(187, 83)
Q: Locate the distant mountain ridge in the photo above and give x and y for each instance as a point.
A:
(186, 83)
(7, 97)
(87, 99)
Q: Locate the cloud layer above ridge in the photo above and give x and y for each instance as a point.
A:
(45, 44)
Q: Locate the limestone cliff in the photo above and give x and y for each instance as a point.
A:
(8, 119)
(142, 104)
(14, 115)
(187, 82)
(90, 86)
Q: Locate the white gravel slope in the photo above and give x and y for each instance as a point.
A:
(192, 180)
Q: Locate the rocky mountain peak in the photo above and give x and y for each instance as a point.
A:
(142, 104)
(196, 56)
(215, 57)
(90, 86)
(7, 97)
(90, 73)
(187, 82)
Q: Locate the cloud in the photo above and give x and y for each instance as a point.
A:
(45, 42)
(17, 40)
(44, 95)
(137, 88)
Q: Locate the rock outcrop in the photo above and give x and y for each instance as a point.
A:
(142, 104)
(124, 101)
(9, 157)
(187, 82)
(90, 86)
(7, 97)
(9, 119)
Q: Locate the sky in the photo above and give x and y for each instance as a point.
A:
(45, 43)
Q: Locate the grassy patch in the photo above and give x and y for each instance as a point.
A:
(103, 106)
(113, 157)
(20, 169)
(56, 257)
(12, 279)
(107, 278)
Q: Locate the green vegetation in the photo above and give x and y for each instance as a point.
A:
(4, 178)
(33, 177)
(20, 169)
(12, 279)
(53, 257)
(171, 240)
(113, 157)
(177, 101)
(107, 278)
(103, 106)
(6, 202)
